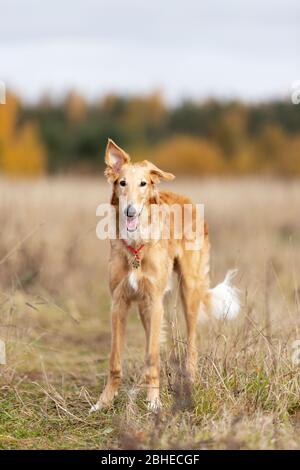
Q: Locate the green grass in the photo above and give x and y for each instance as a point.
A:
(52, 378)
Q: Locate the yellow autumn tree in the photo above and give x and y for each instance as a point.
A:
(230, 133)
(288, 162)
(21, 150)
(144, 112)
(24, 154)
(8, 117)
(189, 155)
(245, 161)
(271, 147)
(75, 106)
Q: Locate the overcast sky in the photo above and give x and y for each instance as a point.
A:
(248, 49)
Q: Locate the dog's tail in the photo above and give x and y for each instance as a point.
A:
(223, 300)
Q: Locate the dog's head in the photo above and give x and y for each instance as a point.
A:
(134, 184)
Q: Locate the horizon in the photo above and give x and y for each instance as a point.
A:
(59, 99)
(232, 51)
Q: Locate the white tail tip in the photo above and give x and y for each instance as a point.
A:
(225, 303)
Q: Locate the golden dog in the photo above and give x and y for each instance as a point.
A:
(140, 270)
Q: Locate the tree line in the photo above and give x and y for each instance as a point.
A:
(208, 137)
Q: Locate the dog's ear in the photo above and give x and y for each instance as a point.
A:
(156, 174)
(115, 158)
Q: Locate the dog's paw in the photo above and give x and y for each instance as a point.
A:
(101, 404)
(94, 408)
(154, 405)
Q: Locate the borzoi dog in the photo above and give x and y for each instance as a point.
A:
(140, 269)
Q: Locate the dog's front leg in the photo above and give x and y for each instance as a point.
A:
(119, 312)
(154, 318)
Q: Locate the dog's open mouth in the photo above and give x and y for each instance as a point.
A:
(132, 223)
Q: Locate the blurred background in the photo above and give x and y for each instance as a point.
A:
(207, 91)
(204, 88)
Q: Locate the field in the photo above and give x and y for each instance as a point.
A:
(54, 321)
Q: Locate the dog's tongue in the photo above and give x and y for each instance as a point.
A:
(131, 223)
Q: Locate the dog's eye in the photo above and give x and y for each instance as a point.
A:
(123, 183)
(143, 183)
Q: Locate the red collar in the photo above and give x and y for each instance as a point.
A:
(133, 250)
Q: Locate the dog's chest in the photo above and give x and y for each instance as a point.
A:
(133, 281)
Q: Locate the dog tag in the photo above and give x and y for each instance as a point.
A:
(136, 263)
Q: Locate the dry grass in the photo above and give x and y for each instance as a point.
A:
(54, 308)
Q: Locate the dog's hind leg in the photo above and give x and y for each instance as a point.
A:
(191, 300)
(194, 286)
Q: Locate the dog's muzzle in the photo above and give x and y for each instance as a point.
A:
(130, 211)
(132, 218)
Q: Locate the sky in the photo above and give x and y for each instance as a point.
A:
(245, 49)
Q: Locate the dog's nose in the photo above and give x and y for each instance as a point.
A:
(130, 211)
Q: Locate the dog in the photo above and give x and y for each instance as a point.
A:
(140, 270)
